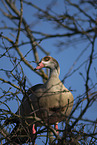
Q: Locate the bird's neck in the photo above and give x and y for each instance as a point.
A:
(54, 73)
(53, 77)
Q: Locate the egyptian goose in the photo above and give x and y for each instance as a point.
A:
(52, 101)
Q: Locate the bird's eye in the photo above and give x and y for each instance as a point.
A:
(46, 58)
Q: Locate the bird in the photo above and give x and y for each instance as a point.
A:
(52, 102)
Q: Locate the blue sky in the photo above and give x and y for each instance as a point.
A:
(66, 55)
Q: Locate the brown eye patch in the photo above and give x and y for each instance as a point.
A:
(47, 58)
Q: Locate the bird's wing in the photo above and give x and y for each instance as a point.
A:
(24, 103)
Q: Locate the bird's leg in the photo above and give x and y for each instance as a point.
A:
(56, 127)
(33, 135)
(33, 129)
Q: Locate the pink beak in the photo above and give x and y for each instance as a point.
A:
(40, 65)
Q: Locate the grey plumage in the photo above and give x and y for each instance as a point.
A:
(52, 101)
